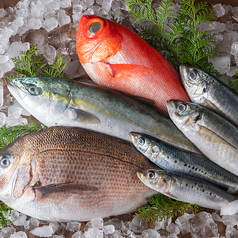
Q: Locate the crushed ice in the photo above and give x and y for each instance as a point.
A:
(52, 25)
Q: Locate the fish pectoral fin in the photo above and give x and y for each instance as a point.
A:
(70, 188)
(82, 116)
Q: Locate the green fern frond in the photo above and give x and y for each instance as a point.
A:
(162, 207)
(4, 214)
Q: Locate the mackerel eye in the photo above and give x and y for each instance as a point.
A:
(181, 108)
(32, 89)
(192, 75)
(141, 141)
(151, 175)
(5, 162)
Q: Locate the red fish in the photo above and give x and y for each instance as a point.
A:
(116, 57)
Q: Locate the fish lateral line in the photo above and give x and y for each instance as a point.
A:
(91, 153)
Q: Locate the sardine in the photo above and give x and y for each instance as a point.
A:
(67, 174)
(55, 101)
(216, 137)
(185, 162)
(185, 188)
(209, 91)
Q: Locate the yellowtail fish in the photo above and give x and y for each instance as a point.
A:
(209, 91)
(63, 102)
(185, 162)
(185, 188)
(66, 174)
(216, 137)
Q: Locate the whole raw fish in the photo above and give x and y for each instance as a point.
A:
(116, 57)
(63, 102)
(65, 173)
(185, 188)
(216, 137)
(184, 162)
(209, 91)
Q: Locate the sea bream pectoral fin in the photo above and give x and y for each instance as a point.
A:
(53, 190)
(82, 116)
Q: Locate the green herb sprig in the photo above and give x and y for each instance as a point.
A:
(32, 65)
(234, 83)
(177, 37)
(161, 207)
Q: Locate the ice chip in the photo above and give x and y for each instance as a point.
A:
(118, 224)
(49, 53)
(183, 224)
(216, 217)
(150, 233)
(65, 3)
(90, 3)
(14, 215)
(19, 234)
(43, 231)
(230, 220)
(97, 223)
(221, 63)
(93, 232)
(63, 17)
(162, 224)
(173, 229)
(219, 10)
(106, 5)
(50, 24)
(34, 23)
(55, 226)
(109, 229)
(230, 209)
(16, 47)
(3, 13)
(4, 59)
(20, 221)
(2, 118)
(7, 231)
(231, 232)
(137, 225)
(234, 51)
(77, 234)
(73, 226)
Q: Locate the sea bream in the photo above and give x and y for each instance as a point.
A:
(216, 137)
(181, 161)
(211, 92)
(185, 188)
(55, 101)
(72, 174)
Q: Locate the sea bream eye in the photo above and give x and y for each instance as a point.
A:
(5, 161)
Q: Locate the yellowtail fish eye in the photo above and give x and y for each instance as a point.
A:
(5, 161)
(151, 175)
(181, 108)
(32, 89)
(192, 75)
(141, 140)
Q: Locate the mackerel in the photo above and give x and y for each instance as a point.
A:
(216, 137)
(209, 91)
(64, 102)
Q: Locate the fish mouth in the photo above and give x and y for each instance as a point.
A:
(139, 175)
(17, 93)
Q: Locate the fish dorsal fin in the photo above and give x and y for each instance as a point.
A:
(82, 116)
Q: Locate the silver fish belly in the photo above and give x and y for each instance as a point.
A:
(216, 137)
(181, 161)
(186, 189)
(209, 91)
(55, 101)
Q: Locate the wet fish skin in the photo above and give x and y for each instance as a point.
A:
(209, 91)
(185, 188)
(184, 162)
(214, 136)
(64, 102)
(65, 174)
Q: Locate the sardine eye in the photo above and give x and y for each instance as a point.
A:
(192, 75)
(151, 174)
(141, 141)
(32, 89)
(4, 162)
(181, 108)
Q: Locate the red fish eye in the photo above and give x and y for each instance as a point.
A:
(94, 27)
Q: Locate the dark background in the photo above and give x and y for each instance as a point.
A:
(7, 3)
